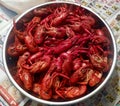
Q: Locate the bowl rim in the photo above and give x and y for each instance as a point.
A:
(64, 102)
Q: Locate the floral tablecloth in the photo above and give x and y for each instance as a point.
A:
(108, 96)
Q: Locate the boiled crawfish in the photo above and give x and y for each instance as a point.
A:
(61, 52)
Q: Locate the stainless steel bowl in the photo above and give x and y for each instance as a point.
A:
(9, 64)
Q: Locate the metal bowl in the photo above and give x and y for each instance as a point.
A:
(10, 63)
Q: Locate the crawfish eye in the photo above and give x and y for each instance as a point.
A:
(26, 54)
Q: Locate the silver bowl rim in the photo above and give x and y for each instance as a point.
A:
(64, 102)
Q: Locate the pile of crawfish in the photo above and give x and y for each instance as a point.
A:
(63, 51)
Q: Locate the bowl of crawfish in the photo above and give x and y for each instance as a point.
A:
(59, 53)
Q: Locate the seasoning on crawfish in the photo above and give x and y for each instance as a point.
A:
(65, 48)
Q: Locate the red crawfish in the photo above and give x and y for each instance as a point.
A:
(67, 63)
(27, 79)
(37, 63)
(47, 82)
(95, 78)
(77, 63)
(61, 52)
(72, 91)
(42, 65)
(34, 57)
(39, 34)
(99, 61)
(30, 43)
(100, 38)
(17, 48)
(64, 45)
(29, 39)
(22, 60)
(59, 32)
(22, 73)
(60, 15)
(79, 74)
(36, 88)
